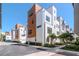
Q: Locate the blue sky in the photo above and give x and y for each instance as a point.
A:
(13, 13)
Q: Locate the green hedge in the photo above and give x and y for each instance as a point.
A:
(72, 47)
(77, 43)
(59, 43)
(49, 45)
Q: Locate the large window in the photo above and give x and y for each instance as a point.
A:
(48, 18)
(49, 30)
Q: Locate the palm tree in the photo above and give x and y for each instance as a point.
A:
(52, 36)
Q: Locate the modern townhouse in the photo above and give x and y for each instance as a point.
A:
(42, 22)
(19, 33)
(43, 26)
(62, 28)
(53, 11)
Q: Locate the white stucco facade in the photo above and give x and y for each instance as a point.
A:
(8, 38)
(47, 22)
(22, 34)
(13, 34)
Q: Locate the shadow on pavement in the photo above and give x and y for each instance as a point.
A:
(20, 44)
(41, 49)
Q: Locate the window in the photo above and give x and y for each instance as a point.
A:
(47, 18)
(58, 33)
(29, 31)
(30, 14)
(39, 26)
(32, 22)
(23, 33)
(49, 30)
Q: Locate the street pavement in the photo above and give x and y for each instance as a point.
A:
(14, 49)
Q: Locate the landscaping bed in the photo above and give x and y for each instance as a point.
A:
(71, 47)
(33, 43)
(49, 45)
(59, 44)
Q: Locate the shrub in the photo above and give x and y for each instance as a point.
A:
(77, 41)
(72, 47)
(49, 45)
(59, 43)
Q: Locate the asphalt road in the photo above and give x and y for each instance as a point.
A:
(23, 50)
(16, 50)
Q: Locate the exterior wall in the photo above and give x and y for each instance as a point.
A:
(32, 22)
(62, 27)
(56, 27)
(42, 23)
(22, 35)
(8, 36)
(47, 25)
(54, 20)
(39, 27)
(44, 19)
(13, 35)
(17, 27)
(19, 33)
(76, 18)
(53, 12)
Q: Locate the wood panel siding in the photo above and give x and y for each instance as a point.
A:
(32, 20)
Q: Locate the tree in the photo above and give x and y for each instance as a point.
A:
(77, 41)
(66, 37)
(70, 37)
(2, 37)
(52, 36)
(62, 37)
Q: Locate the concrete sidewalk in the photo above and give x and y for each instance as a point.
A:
(59, 51)
(44, 53)
(7, 43)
